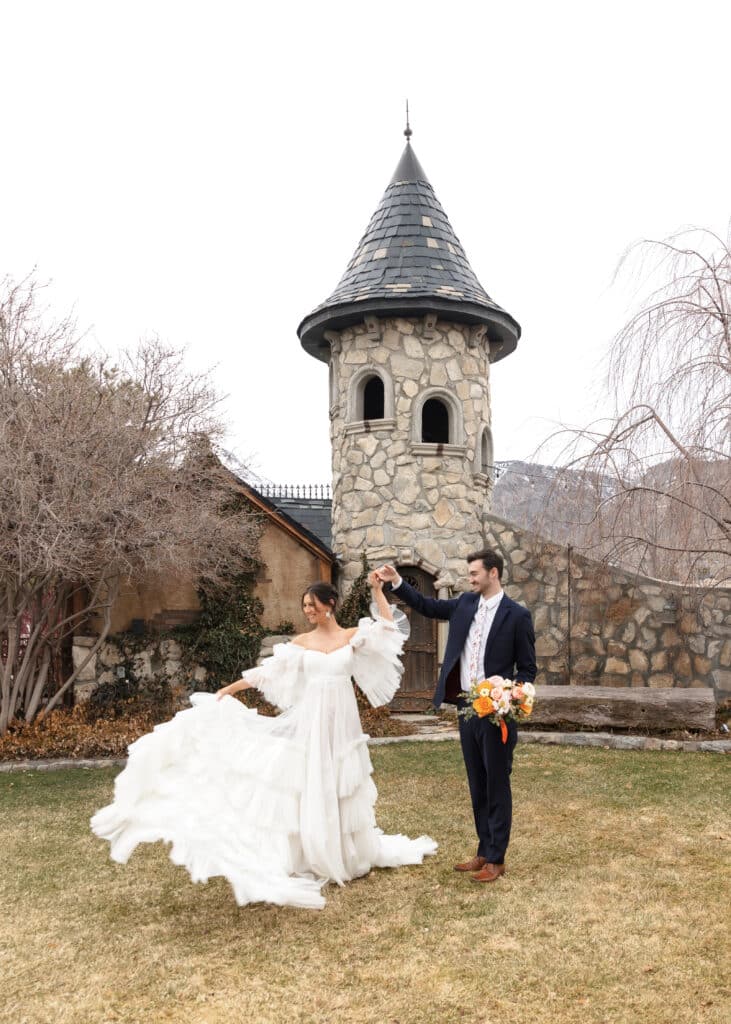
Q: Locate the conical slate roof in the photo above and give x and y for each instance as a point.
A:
(409, 262)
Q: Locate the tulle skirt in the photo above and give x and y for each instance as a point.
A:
(278, 806)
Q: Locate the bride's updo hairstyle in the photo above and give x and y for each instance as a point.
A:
(324, 592)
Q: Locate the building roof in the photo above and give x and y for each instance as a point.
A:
(315, 515)
(409, 262)
(307, 520)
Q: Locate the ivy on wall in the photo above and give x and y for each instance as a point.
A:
(356, 605)
(226, 637)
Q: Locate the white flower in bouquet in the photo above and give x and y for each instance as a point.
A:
(503, 703)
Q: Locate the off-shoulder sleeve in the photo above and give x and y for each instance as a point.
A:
(377, 668)
(279, 678)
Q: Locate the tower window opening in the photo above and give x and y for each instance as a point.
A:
(435, 422)
(373, 399)
(486, 453)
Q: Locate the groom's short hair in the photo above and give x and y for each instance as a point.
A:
(490, 559)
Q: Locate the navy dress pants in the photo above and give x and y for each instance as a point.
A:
(489, 762)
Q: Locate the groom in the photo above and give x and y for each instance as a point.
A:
(489, 635)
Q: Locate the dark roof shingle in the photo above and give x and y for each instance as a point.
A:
(409, 261)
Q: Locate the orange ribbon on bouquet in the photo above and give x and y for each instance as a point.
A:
(503, 730)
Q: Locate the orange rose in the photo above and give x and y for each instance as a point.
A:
(483, 706)
(526, 708)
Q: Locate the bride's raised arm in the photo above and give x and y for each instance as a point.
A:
(379, 598)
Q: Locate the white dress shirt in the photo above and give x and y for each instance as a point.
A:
(464, 660)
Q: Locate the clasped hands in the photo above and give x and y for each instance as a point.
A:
(383, 574)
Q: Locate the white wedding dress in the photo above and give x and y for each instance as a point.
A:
(278, 806)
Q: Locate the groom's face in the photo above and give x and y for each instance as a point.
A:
(482, 580)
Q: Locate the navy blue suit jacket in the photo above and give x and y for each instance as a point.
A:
(511, 642)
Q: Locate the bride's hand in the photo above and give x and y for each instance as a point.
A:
(232, 688)
(374, 581)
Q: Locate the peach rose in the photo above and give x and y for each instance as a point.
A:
(483, 706)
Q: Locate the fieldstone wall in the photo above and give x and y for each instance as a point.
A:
(398, 498)
(160, 660)
(604, 627)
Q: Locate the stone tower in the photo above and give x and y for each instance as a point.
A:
(409, 335)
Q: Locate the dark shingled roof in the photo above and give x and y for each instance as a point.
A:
(409, 262)
(313, 514)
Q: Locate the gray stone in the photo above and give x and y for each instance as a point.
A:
(722, 681)
(367, 444)
(546, 646)
(413, 347)
(83, 691)
(79, 655)
(616, 666)
(625, 708)
(639, 661)
(629, 633)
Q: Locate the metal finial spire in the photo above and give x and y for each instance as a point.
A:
(408, 133)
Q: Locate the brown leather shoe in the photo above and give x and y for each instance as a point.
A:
(471, 865)
(489, 873)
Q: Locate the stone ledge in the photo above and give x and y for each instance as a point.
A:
(65, 762)
(610, 741)
(605, 740)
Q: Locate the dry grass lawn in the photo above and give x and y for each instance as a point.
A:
(615, 908)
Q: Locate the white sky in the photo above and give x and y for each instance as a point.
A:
(204, 170)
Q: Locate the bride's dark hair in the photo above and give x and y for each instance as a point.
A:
(324, 592)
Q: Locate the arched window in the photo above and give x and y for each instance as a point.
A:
(435, 422)
(333, 387)
(370, 399)
(373, 399)
(484, 456)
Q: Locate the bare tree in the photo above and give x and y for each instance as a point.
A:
(108, 474)
(657, 473)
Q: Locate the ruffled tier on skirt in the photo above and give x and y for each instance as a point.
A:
(278, 806)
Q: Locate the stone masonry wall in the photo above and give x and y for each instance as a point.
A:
(605, 627)
(397, 498)
(160, 659)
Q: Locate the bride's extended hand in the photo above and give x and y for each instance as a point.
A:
(232, 688)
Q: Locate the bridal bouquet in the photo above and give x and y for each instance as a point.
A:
(498, 700)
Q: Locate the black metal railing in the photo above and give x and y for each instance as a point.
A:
(303, 492)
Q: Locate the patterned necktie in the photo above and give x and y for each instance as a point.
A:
(475, 668)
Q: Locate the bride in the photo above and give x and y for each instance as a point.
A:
(278, 806)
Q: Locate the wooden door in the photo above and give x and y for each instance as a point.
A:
(420, 651)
